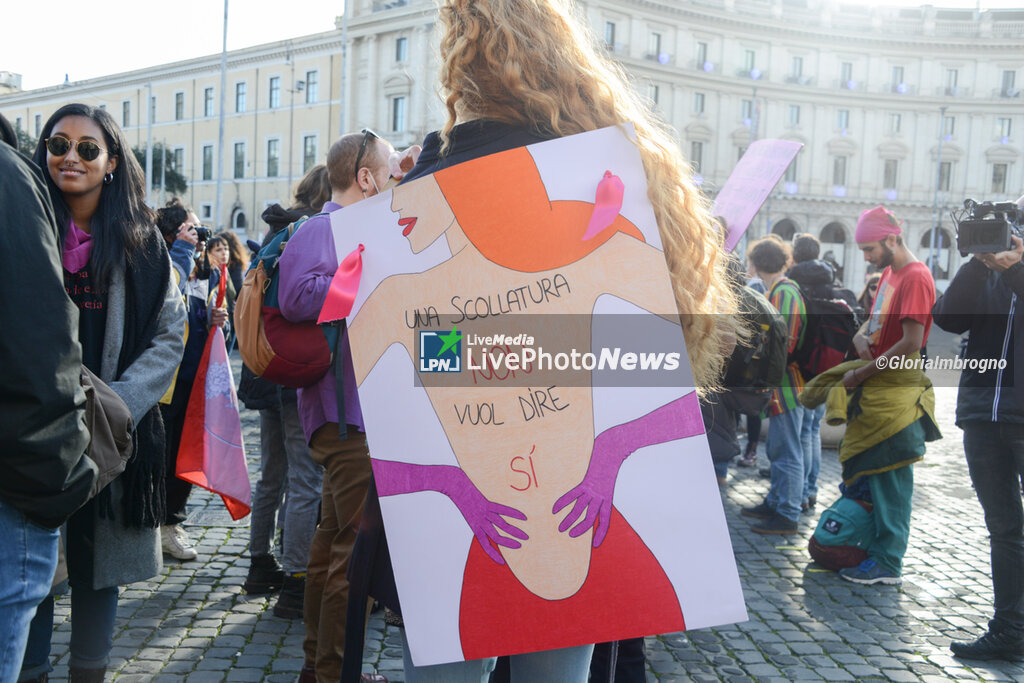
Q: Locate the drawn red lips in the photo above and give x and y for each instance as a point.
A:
(408, 224)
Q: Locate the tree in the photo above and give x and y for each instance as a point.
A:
(26, 143)
(176, 183)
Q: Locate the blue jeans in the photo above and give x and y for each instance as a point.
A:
(285, 465)
(28, 558)
(787, 463)
(810, 441)
(995, 457)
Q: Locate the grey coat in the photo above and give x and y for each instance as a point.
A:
(122, 554)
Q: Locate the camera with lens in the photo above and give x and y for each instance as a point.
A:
(203, 233)
(986, 227)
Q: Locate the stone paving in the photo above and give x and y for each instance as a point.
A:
(194, 623)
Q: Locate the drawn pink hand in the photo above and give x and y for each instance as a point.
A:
(485, 518)
(594, 493)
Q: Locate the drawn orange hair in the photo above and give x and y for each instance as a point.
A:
(519, 227)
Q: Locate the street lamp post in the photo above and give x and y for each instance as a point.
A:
(932, 254)
(297, 86)
(220, 128)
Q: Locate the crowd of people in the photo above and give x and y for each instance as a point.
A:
(127, 292)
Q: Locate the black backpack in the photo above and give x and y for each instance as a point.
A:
(759, 365)
(828, 335)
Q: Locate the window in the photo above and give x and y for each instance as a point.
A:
(749, 59)
(843, 119)
(205, 211)
(999, 178)
(652, 92)
(794, 115)
(312, 87)
(1009, 79)
(702, 54)
(274, 100)
(889, 174)
(698, 103)
(401, 49)
(839, 171)
(696, 156)
(239, 160)
(308, 152)
(654, 44)
(240, 89)
(398, 114)
(152, 109)
(845, 73)
(897, 75)
(179, 106)
(609, 33)
(747, 109)
(178, 159)
(790, 175)
(208, 102)
(949, 125)
(945, 175)
(798, 67)
(1003, 128)
(951, 78)
(273, 157)
(895, 121)
(207, 162)
(39, 124)
(126, 114)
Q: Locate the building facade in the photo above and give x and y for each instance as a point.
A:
(916, 109)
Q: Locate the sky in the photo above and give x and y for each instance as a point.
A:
(110, 36)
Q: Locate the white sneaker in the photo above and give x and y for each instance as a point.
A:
(176, 543)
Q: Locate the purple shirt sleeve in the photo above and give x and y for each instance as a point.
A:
(307, 265)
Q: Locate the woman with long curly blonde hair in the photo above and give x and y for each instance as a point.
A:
(531, 64)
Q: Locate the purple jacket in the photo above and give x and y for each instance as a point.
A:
(307, 266)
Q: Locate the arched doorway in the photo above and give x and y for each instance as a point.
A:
(785, 229)
(833, 247)
(239, 222)
(943, 252)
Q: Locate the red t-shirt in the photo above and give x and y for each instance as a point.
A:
(907, 293)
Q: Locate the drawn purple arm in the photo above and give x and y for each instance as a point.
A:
(676, 420)
(485, 519)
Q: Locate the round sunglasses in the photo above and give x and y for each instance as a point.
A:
(59, 145)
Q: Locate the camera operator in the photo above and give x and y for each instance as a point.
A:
(986, 298)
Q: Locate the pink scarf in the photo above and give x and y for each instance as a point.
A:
(77, 247)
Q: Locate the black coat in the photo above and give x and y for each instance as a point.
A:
(990, 306)
(43, 471)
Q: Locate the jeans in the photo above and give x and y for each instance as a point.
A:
(92, 631)
(787, 463)
(28, 558)
(995, 458)
(472, 671)
(810, 441)
(285, 466)
(630, 662)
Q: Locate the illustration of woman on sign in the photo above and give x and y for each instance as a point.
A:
(536, 491)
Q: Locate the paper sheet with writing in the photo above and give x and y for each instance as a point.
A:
(530, 508)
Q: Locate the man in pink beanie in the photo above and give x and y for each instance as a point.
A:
(897, 327)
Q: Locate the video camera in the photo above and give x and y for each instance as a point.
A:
(986, 228)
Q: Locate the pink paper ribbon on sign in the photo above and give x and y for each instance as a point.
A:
(344, 287)
(607, 204)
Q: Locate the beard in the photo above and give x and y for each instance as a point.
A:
(887, 256)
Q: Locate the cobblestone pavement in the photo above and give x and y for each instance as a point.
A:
(194, 623)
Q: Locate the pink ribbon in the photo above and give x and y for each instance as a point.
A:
(607, 204)
(344, 286)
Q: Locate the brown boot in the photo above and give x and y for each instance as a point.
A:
(88, 675)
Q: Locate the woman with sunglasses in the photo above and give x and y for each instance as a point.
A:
(870, 291)
(131, 327)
